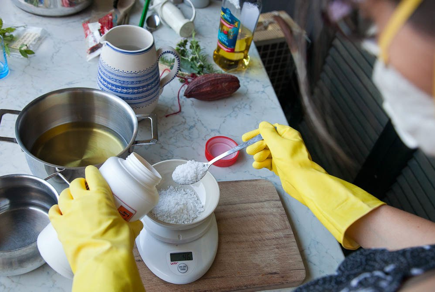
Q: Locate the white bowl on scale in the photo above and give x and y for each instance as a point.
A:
(207, 189)
(181, 253)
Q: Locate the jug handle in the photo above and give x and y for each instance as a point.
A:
(173, 73)
(193, 11)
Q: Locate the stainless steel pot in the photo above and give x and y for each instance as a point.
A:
(74, 105)
(52, 7)
(24, 204)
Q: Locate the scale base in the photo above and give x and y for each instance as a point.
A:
(179, 263)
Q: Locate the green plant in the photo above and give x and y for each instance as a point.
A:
(8, 37)
(193, 63)
(191, 57)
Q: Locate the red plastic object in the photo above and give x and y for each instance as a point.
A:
(218, 145)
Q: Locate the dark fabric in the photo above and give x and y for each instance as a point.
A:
(373, 270)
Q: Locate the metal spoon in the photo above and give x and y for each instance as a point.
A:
(225, 154)
(152, 22)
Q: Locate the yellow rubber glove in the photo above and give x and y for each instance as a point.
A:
(335, 202)
(97, 241)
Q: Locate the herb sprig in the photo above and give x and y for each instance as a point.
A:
(8, 37)
(193, 64)
(193, 60)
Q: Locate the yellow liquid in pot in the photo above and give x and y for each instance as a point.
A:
(78, 144)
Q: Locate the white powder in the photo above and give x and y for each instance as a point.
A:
(178, 205)
(189, 173)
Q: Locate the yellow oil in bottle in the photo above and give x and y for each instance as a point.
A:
(239, 59)
(78, 144)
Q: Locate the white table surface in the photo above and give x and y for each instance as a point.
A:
(60, 62)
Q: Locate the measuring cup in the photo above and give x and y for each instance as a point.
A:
(173, 17)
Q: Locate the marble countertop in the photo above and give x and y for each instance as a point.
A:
(60, 62)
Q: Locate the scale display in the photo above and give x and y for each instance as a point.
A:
(181, 256)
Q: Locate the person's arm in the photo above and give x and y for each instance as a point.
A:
(353, 216)
(394, 229)
(336, 203)
(391, 228)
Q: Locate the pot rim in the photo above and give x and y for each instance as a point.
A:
(117, 99)
(13, 252)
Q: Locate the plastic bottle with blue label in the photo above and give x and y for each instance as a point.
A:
(236, 31)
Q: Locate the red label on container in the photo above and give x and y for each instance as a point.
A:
(125, 214)
(125, 210)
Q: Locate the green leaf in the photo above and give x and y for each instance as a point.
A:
(6, 33)
(10, 29)
(182, 52)
(8, 38)
(24, 54)
(192, 60)
(8, 52)
(182, 43)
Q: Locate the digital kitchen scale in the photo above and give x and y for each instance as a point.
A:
(178, 256)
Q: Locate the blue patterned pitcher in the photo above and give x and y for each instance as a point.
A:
(129, 67)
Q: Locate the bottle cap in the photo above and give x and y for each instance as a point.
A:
(218, 145)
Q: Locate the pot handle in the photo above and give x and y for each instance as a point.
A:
(58, 173)
(154, 132)
(2, 113)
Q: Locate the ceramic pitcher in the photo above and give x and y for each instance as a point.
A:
(129, 67)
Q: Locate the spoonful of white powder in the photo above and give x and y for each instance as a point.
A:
(190, 172)
(193, 171)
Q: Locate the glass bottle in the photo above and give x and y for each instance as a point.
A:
(4, 69)
(236, 31)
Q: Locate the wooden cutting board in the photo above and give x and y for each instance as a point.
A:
(257, 249)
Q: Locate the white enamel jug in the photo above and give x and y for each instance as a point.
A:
(129, 68)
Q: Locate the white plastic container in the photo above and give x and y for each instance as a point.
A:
(133, 182)
(52, 252)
